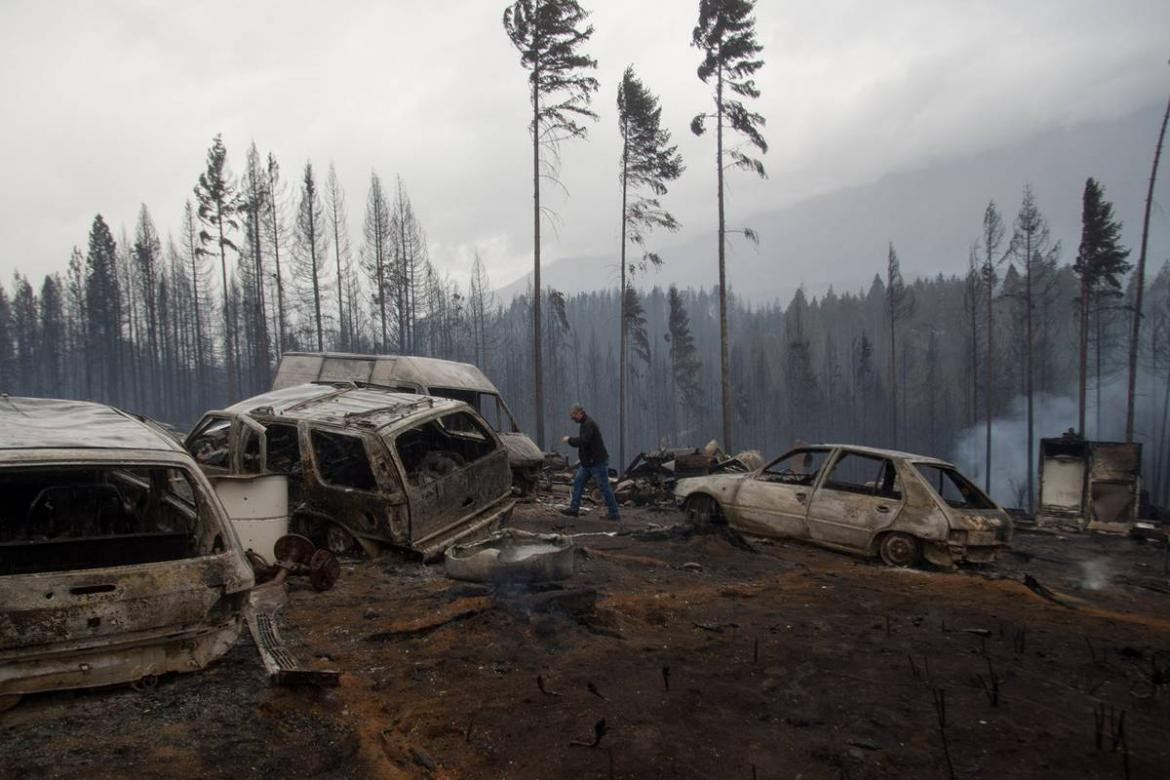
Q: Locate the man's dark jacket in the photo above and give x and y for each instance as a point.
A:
(590, 447)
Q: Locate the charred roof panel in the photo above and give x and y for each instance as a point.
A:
(339, 404)
(47, 423)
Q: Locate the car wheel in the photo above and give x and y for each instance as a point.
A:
(703, 511)
(338, 540)
(900, 550)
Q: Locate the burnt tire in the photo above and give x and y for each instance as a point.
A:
(703, 511)
(900, 550)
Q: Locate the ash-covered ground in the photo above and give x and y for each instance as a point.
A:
(703, 657)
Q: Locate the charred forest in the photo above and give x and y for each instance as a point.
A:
(139, 320)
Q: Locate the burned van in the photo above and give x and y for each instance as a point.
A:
(366, 466)
(117, 562)
(429, 376)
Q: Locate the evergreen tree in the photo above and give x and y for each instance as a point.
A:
(378, 255)
(200, 296)
(1101, 260)
(312, 250)
(53, 338)
(103, 298)
(218, 203)
(549, 35)
(648, 162)
(726, 35)
(1033, 247)
(899, 306)
(990, 240)
(147, 253)
(479, 302)
(25, 316)
(685, 366)
(275, 232)
(254, 202)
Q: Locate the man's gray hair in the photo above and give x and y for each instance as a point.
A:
(576, 408)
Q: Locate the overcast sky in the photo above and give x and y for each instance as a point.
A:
(110, 105)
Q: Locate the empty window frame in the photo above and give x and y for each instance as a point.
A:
(210, 443)
(796, 468)
(438, 447)
(866, 474)
(284, 448)
(342, 460)
(59, 519)
(954, 488)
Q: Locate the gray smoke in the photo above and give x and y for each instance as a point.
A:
(1054, 414)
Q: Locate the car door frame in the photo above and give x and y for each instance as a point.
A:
(754, 503)
(459, 481)
(382, 514)
(849, 519)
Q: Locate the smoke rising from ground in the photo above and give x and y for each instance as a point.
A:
(1055, 414)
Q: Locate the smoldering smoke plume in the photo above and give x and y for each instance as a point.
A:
(1054, 414)
(1095, 573)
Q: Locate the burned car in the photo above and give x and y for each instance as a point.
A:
(429, 376)
(895, 505)
(117, 562)
(366, 466)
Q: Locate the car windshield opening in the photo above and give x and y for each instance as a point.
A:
(487, 404)
(796, 468)
(60, 519)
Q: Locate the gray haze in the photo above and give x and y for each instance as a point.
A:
(110, 105)
(932, 215)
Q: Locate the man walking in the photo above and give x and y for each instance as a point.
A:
(594, 463)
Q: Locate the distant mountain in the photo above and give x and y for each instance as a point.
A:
(932, 215)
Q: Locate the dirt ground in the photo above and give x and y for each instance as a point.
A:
(702, 658)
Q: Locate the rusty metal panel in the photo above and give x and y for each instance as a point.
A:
(1115, 460)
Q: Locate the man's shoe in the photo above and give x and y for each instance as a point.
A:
(569, 511)
(616, 518)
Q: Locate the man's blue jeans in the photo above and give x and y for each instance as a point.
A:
(600, 474)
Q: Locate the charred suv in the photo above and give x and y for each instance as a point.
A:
(117, 561)
(429, 376)
(366, 466)
(896, 505)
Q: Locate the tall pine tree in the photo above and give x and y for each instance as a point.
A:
(1101, 260)
(726, 34)
(549, 35)
(648, 162)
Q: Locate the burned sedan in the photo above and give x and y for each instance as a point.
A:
(117, 562)
(366, 466)
(895, 505)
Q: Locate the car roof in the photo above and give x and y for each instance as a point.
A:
(297, 367)
(57, 424)
(345, 404)
(877, 452)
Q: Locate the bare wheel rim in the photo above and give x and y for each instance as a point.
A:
(338, 540)
(899, 550)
